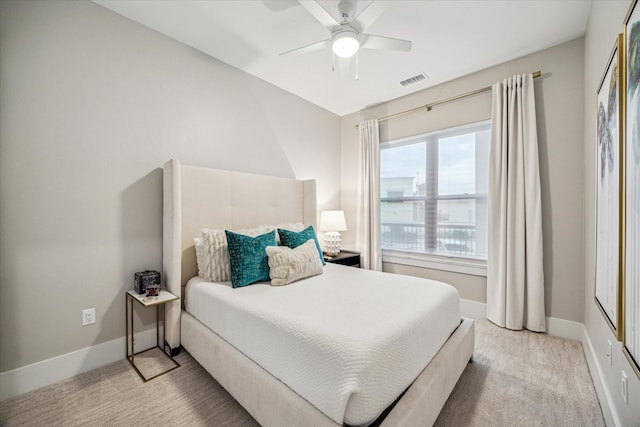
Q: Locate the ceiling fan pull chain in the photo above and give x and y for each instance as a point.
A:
(357, 65)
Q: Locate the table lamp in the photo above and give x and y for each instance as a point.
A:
(332, 223)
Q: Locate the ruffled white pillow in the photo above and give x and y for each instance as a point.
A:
(296, 226)
(287, 265)
(212, 252)
(201, 258)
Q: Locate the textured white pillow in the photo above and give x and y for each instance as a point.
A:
(201, 257)
(213, 261)
(297, 226)
(287, 265)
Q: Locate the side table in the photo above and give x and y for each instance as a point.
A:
(349, 258)
(160, 300)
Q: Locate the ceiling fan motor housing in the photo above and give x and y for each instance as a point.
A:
(345, 8)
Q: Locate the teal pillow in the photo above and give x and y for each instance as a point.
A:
(293, 239)
(248, 257)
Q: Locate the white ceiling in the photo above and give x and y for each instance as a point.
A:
(451, 38)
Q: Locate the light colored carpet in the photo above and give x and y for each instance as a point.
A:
(516, 379)
(522, 378)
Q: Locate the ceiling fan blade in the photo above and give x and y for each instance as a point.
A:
(370, 14)
(387, 43)
(309, 48)
(319, 13)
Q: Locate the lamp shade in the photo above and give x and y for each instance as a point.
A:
(332, 221)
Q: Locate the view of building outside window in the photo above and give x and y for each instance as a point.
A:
(434, 192)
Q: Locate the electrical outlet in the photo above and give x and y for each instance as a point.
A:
(609, 358)
(625, 390)
(88, 316)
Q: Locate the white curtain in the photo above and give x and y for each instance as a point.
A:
(368, 220)
(515, 279)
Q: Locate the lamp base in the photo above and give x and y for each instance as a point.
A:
(332, 242)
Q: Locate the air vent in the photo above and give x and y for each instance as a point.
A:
(414, 79)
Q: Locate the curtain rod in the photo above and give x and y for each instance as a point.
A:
(428, 107)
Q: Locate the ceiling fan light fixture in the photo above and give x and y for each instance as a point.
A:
(345, 44)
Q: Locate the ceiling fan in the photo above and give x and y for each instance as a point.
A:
(347, 36)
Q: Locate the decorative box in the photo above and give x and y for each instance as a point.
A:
(152, 290)
(146, 278)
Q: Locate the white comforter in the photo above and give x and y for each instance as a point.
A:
(349, 341)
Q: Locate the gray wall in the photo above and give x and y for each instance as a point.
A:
(605, 23)
(559, 100)
(92, 106)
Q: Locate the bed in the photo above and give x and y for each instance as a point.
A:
(196, 198)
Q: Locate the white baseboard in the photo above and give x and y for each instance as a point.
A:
(565, 328)
(40, 374)
(556, 327)
(611, 417)
(473, 309)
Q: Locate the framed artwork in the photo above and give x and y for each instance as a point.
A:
(631, 186)
(608, 220)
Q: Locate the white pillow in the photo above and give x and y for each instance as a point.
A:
(201, 257)
(212, 254)
(287, 265)
(297, 226)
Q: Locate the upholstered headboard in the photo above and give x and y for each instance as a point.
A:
(197, 197)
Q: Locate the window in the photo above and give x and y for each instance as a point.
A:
(434, 193)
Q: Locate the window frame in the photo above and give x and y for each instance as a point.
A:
(448, 262)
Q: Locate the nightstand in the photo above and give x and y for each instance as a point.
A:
(157, 302)
(349, 258)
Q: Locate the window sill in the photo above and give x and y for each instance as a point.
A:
(474, 267)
